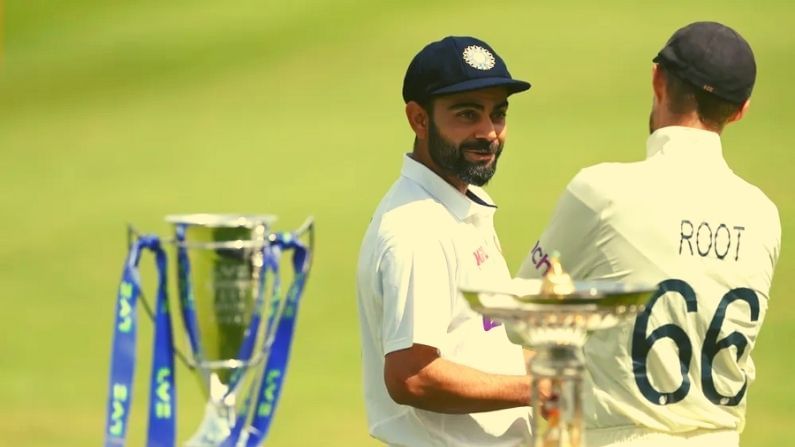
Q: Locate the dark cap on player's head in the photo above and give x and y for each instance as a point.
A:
(713, 57)
(456, 64)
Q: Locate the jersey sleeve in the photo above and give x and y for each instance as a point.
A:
(574, 233)
(416, 282)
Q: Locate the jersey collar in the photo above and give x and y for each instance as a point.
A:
(475, 202)
(685, 142)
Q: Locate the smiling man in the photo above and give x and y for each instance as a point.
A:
(435, 372)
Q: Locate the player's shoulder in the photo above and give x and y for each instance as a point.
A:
(602, 183)
(604, 174)
(409, 215)
(758, 202)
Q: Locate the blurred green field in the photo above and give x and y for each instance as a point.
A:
(116, 112)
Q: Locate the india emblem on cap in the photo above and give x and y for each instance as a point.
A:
(478, 57)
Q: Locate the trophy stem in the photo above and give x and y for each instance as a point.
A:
(219, 417)
(558, 371)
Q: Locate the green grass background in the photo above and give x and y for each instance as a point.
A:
(125, 111)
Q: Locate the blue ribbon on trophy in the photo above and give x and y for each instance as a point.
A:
(223, 263)
(125, 329)
(278, 345)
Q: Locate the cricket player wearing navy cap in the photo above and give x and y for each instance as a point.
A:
(679, 375)
(435, 372)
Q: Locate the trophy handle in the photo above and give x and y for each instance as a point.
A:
(132, 235)
(308, 228)
(301, 267)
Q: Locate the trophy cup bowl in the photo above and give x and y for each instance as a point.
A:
(238, 322)
(553, 317)
(229, 317)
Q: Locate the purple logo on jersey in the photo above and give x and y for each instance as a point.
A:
(489, 324)
(540, 259)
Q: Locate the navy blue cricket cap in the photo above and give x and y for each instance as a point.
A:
(712, 57)
(456, 64)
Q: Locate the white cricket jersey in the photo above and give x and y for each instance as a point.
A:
(681, 218)
(424, 239)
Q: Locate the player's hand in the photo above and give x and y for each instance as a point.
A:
(548, 400)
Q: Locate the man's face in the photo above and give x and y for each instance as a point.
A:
(466, 134)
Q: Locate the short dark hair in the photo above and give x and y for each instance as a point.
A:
(427, 104)
(713, 112)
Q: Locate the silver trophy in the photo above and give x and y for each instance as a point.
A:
(231, 301)
(552, 317)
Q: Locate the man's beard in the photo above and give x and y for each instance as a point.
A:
(452, 160)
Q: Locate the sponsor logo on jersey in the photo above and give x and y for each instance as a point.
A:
(489, 324)
(540, 258)
(480, 256)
